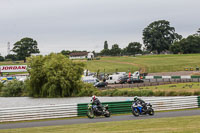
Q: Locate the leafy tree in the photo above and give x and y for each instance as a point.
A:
(175, 48)
(158, 36)
(12, 57)
(134, 48)
(105, 51)
(65, 52)
(191, 44)
(13, 89)
(105, 45)
(1, 58)
(54, 75)
(198, 31)
(115, 51)
(25, 47)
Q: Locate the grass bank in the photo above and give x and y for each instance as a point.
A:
(188, 124)
(180, 89)
(148, 63)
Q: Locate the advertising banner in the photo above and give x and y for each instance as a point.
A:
(13, 68)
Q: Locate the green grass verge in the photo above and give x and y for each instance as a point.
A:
(180, 89)
(151, 63)
(188, 124)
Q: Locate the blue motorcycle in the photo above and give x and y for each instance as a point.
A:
(137, 109)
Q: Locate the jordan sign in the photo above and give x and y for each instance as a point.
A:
(13, 68)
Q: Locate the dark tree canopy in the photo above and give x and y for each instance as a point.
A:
(133, 48)
(1, 58)
(25, 47)
(105, 45)
(158, 36)
(115, 51)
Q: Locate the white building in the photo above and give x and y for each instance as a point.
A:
(81, 55)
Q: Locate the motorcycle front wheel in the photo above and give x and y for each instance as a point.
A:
(107, 113)
(151, 111)
(90, 114)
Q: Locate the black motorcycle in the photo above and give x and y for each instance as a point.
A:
(137, 109)
(94, 111)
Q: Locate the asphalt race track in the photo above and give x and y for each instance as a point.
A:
(98, 119)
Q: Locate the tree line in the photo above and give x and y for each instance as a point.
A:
(158, 37)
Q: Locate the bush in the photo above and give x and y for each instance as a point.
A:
(87, 90)
(13, 89)
(159, 93)
(172, 93)
(197, 93)
(185, 93)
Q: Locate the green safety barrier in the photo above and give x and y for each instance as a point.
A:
(157, 77)
(175, 77)
(198, 101)
(195, 76)
(113, 107)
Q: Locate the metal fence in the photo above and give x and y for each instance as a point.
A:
(38, 112)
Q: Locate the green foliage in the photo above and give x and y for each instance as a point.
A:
(175, 48)
(133, 48)
(87, 90)
(12, 57)
(65, 52)
(115, 51)
(54, 75)
(25, 47)
(158, 36)
(13, 89)
(105, 45)
(1, 85)
(1, 58)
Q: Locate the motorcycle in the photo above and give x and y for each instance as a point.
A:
(93, 110)
(139, 110)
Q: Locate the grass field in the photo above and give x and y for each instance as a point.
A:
(150, 63)
(146, 63)
(184, 87)
(188, 124)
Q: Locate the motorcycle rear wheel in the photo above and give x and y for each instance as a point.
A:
(135, 112)
(90, 114)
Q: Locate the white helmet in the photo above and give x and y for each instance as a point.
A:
(93, 97)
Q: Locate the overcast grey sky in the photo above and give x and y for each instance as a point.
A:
(85, 24)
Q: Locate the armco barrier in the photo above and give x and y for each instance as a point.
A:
(159, 104)
(38, 112)
(73, 110)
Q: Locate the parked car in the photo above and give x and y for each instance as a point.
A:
(134, 80)
(123, 80)
(100, 84)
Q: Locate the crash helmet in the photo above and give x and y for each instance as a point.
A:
(135, 98)
(93, 97)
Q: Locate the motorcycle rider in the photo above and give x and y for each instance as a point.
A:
(141, 102)
(95, 101)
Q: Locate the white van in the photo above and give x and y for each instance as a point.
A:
(90, 79)
(113, 79)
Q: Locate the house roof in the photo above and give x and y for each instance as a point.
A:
(79, 54)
